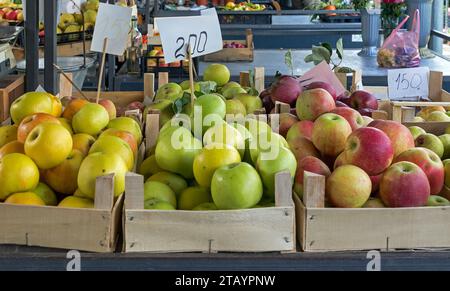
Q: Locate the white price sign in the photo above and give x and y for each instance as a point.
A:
(202, 33)
(70, 6)
(413, 82)
(113, 22)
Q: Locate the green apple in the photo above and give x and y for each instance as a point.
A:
(169, 91)
(217, 73)
(438, 116)
(76, 202)
(225, 134)
(256, 127)
(48, 144)
(431, 142)
(155, 204)
(46, 193)
(78, 18)
(8, 133)
(416, 131)
(373, 203)
(205, 207)
(186, 86)
(109, 144)
(165, 108)
(242, 130)
(251, 103)
(435, 200)
(236, 186)
(63, 177)
(445, 139)
(174, 181)
(176, 152)
(232, 92)
(447, 172)
(18, 173)
(160, 191)
(127, 124)
(192, 197)
(265, 142)
(229, 85)
(100, 164)
(149, 167)
(90, 16)
(234, 106)
(418, 119)
(268, 164)
(72, 28)
(31, 103)
(65, 19)
(92, 118)
(208, 109)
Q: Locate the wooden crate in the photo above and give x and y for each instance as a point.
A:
(93, 230)
(11, 87)
(234, 54)
(341, 229)
(246, 230)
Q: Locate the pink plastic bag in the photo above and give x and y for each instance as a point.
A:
(401, 48)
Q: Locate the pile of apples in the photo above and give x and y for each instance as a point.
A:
(52, 156)
(237, 99)
(157, 59)
(367, 163)
(234, 44)
(11, 14)
(433, 113)
(73, 22)
(221, 165)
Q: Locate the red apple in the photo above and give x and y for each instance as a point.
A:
(323, 85)
(330, 133)
(352, 116)
(31, 121)
(110, 107)
(301, 128)
(268, 103)
(430, 163)
(341, 104)
(135, 105)
(11, 15)
(363, 99)
(313, 103)
(343, 96)
(126, 136)
(366, 112)
(285, 123)
(286, 89)
(399, 134)
(370, 149)
(404, 184)
(376, 182)
(310, 164)
(302, 147)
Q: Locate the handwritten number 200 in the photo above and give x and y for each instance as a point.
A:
(198, 44)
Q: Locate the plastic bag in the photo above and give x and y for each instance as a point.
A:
(401, 48)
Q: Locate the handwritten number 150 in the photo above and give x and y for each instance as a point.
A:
(407, 81)
(196, 42)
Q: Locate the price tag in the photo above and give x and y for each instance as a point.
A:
(323, 73)
(113, 22)
(70, 6)
(411, 82)
(201, 32)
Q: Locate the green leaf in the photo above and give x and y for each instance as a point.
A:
(288, 61)
(319, 52)
(317, 59)
(178, 104)
(340, 48)
(328, 47)
(252, 91)
(309, 58)
(207, 87)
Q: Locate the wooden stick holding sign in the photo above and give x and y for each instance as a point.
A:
(102, 66)
(70, 81)
(191, 75)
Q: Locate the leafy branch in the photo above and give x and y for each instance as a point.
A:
(324, 52)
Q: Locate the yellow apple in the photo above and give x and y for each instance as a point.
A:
(18, 173)
(46, 194)
(76, 202)
(48, 144)
(100, 164)
(63, 177)
(34, 102)
(30, 122)
(25, 198)
(127, 124)
(8, 133)
(92, 118)
(66, 123)
(109, 144)
(82, 142)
